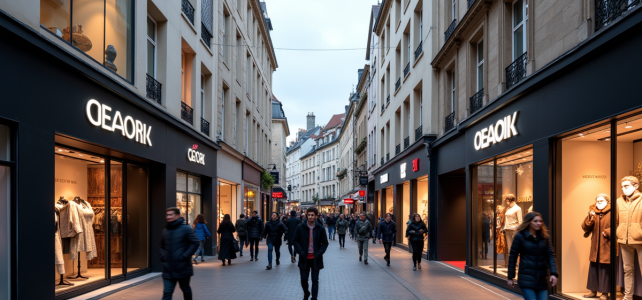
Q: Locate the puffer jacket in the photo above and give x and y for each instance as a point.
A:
(387, 231)
(274, 231)
(342, 226)
(629, 219)
(331, 221)
(363, 229)
(595, 226)
(241, 227)
(201, 231)
(536, 259)
(178, 243)
(416, 235)
(254, 228)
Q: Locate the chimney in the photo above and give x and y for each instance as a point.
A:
(311, 120)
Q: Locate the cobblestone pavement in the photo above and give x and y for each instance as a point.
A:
(344, 277)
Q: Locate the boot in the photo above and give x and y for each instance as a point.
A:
(414, 268)
(359, 257)
(223, 262)
(269, 267)
(592, 294)
(365, 262)
(252, 258)
(277, 262)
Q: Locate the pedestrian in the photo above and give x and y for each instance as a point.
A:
(363, 229)
(387, 233)
(226, 245)
(353, 222)
(254, 231)
(291, 224)
(331, 222)
(342, 227)
(178, 243)
(416, 232)
(310, 241)
(537, 259)
(283, 218)
(408, 223)
(273, 233)
(200, 228)
(241, 233)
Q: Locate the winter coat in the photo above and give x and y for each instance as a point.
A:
(291, 223)
(595, 226)
(178, 243)
(274, 231)
(416, 235)
(629, 219)
(241, 227)
(342, 226)
(254, 228)
(364, 229)
(536, 258)
(319, 244)
(331, 221)
(353, 222)
(226, 245)
(387, 231)
(201, 231)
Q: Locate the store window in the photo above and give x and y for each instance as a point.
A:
(188, 196)
(421, 202)
(226, 199)
(503, 194)
(5, 202)
(251, 203)
(102, 29)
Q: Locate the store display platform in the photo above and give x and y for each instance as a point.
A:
(93, 275)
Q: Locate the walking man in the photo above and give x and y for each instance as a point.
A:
(241, 232)
(291, 223)
(387, 232)
(254, 231)
(363, 229)
(310, 241)
(353, 222)
(331, 221)
(178, 243)
(273, 233)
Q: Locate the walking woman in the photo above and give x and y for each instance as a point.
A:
(202, 233)
(226, 230)
(342, 227)
(416, 232)
(533, 245)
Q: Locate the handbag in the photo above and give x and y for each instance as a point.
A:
(236, 245)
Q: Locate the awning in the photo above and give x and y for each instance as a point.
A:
(279, 193)
(326, 202)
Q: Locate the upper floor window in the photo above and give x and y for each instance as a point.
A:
(453, 8)
(520, 15)
(480, 66)
(151, 47)
(453, 91)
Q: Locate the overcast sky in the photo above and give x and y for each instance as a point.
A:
(312, 81)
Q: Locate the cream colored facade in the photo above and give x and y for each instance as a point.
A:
(346, 146)
(280, 131)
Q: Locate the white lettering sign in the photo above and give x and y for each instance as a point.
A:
(493, 134)
(130, 128)
(383, 178)
(403, 170)
(195, 156)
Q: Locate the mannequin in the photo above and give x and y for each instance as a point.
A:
(500, 241)
(597, 224)
(629, 233)
(513, 218)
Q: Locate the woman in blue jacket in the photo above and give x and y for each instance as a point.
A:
(200, 228)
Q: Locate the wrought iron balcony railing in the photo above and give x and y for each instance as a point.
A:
(476, 101)
(187, 113)
(382, 161)
(450, 122)
(419, 50)
(397, 149)
(398, 83)
(153, 89)
(419, 132)
(205, 127)
(606, 11)
(406, 70)
(516, 71)
(188, 10)
(374, 158)
(470, 3)
(388, 99)
(406, 142)
(206, 35)
(388, 156)
(450, 30)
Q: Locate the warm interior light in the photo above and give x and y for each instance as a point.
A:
(607, 139)
(59, 150)
(628, 126)
(102, 161)
(79, 154)
(581, 134)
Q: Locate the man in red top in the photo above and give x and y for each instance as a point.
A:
(310, 241)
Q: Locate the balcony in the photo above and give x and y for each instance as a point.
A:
(382, 161)
(187, 113)
(388, 156)
(450, 30)
(606, 11)
(205, 127)
(383, 107)
(153, 89)
(397, 149)
(406, 70)
(450, 122)
(206, 36)
(419, 132)
(188, 10)
(374, 158)
(388, 99)
(406, 142)
(419, 50)
(398, 84)
(470, 3)
(516, 71)
(477, 101)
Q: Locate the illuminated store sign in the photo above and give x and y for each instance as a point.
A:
(383, 178)
(402, 170)
(195, 156)
(415, 165)
(130, 128)
(502, 130)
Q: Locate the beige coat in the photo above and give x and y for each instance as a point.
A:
(629, 218)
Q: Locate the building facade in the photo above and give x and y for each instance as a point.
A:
(295, 167)
(372, 56)
(360, 142)
(280, 131)
(345, 172)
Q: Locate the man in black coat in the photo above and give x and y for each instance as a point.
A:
(386, 233)
(311, 255)
(254, 231)
(178, 244)
(291, 223)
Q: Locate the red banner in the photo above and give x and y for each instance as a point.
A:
(277, 195)
(348, 201)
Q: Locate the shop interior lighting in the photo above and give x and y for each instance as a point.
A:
(79, 154)
(627, 125)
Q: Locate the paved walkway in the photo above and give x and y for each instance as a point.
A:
(344, 277)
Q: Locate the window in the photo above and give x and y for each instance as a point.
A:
(453, 91)
(188, 196)
(247, 75)
(480, 66)
(239, 58)
(223, 99)
(453, 9)
(151, 47)
(247, 133)
(202, 97)
(101, 29)
(520, 15)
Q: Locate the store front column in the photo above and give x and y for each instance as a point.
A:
(542, 184)
(397, 209)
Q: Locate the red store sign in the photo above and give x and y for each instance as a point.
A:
(277, 195)
(415, 165)
(348, 201)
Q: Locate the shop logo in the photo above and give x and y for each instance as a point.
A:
(130, 128)
(277, 195)
(348, 201)
(493, 134)
(195, 156)
(415, 165)
(383, 178)
(402, 170)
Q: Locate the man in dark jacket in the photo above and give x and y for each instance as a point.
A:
(311, 254)
(241, 232)
(273, 233)
(331, 222)
(291, 223)
(363, 230)
(254, 232)
(178, 243)
(387, 231)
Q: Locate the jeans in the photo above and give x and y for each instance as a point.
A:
(276, 249)
(386, 247)
(170, 284)
(201, 250)
(291, 249)
(254, 247)
(628, 260)
(342, 240)
(417, 249)
(532, 294)
(331, 232)
(352, 233)
(305, 274)
(242, 241)
(363, 248)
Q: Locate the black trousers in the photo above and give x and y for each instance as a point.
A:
(342, 240)
(305, 274)
(417, 249)
(170, 284)
(254, 247)
(386, 247)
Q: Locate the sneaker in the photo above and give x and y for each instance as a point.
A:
(365, 262)
(419, 265)
(269, 267)
(414, 268)
(252, 259)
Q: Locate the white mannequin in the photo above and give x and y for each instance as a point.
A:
(513, 217)
(628, 214)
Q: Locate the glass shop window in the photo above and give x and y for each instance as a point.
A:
(251, 202)
(421, 203)
(188, 196)
(5, 203)
(102, 29)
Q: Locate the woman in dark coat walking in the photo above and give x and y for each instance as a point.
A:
(226, 230)
(416, 231)
(537, 259)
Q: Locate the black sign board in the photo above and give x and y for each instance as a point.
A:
(363, 180)
(275, 174)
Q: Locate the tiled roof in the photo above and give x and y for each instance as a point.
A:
(334, 121)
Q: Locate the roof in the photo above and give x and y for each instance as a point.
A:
(314, 149)
(304, 138)
(279, 115)
(334, 121)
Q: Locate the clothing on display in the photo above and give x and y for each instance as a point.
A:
(597, 224)
(628, 233)
(500, 241)
(59, 261)
(84, 241)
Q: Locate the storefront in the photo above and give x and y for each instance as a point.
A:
(105, 161)
(279, 200)
(554, 145)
